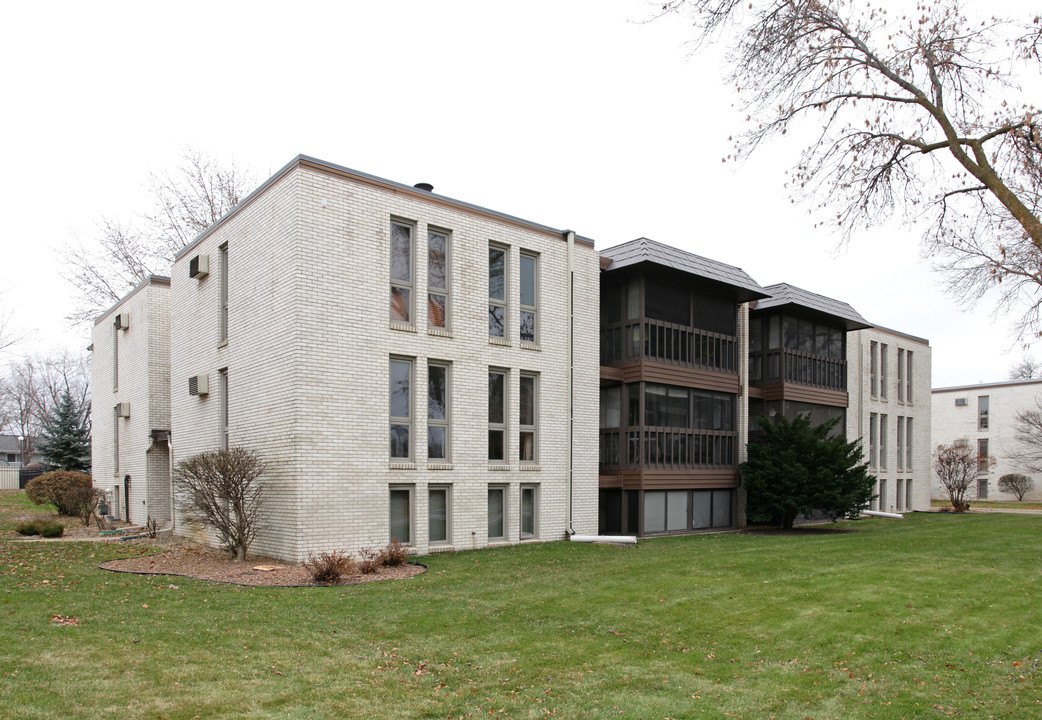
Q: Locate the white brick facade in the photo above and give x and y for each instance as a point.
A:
(130, 366)
(307, 357)
(961, 423)
(885, 403)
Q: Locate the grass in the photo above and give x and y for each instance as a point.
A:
(932, 616)
(16, 505)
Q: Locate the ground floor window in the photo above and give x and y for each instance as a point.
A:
(900, 493)
(529, 511)
(908, 494)
(982, 489)
(882, 495)
(651, 512)
(437, 514)
(497, 497)
(401, 514)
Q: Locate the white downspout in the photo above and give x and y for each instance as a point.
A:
(170, 476)
(570, 238)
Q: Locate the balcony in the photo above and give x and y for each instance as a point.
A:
(664, 342)
(656, 448)
(794, 366)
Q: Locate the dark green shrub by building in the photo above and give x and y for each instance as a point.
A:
(61, 488)
(42, 527)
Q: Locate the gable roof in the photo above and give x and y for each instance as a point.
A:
(647, 250)
(783, 294)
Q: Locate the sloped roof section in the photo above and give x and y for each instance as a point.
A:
(645, 250)
(784, 294)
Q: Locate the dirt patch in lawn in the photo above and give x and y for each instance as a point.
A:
(181, 557)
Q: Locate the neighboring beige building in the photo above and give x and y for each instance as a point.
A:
(889, 377)
(130, 408)
(984, 417)
(400, 360)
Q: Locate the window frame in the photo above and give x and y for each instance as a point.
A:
(446, 421)
(882, 440)
(528, 429)
(884, 376)
(873, 368)
(873, 435)
(900, 460)
(447, 491)
(499, 427)
(983, 456)
(900, 375)
(908, 377)
(409, 491)
(115, 356)
(223, 423)
(503, 491)
(405, 421)
(222, 293)
(533, 308)
(503, 304)
(533, 532)
(115, 440)
(442, 292)
(908, 444)
(983, 411)
(402, 285)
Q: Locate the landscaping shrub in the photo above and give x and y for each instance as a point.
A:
(60, 488)
(83, 502)
(394, 554)
(330, 567)
(369, 560)
(42, 527)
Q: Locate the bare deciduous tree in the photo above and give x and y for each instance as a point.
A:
(918, 112)
(1016, 484)
(186, 202)
(1027, 450)
(1025, 369)
(956, 467)
(221, 490)
(33, 386)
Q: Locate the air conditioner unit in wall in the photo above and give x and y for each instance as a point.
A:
(123, 409)
(199, 385)
(122, 321)
(960, 402)
(199, 266)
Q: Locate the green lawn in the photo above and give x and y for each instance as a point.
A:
(932, 616)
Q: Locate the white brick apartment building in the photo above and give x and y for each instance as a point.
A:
(890, 410)
(984, 417)
(130, 425)
(399, 359)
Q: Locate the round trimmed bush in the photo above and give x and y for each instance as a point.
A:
(62, 488)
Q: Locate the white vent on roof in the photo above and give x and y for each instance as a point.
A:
(122, 321)
(199, 266)
(199, 385)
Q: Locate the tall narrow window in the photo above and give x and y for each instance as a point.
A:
(497, 291)
(222, 292)
(884, 376)
(401, 272)
(437, 514)
(908, 494)
(497, 529)
(882, 441)
(115, 440)
(873, 368)
(528, 511)
(400, 409)
(900, 375)
(982, 412)
(873, 428)
(908, 444)
(401, 514)
(115, 356)
(497, 416)
(983, 461)
(908, 377)
(900, 443)
(437, 279)
(527, 418)
(529, 296)
(882, 496)
(899, 495)
(437, 411)
(223, 429)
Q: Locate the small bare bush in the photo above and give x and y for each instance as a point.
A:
(394, 554)
(1016, 483)
(330, 567)
(369, 560)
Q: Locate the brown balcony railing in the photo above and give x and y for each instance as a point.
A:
(797, 367)
(665, 342)
(666, 449)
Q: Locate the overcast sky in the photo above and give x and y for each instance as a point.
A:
(573, 114)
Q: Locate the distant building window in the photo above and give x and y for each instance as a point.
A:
(222, 293)
(882, 441)
(873, 429)
(224, 428)
(983, 461)
(908, 444)
(908, 377)
(982, 412)
(884, 377)
(982, 489)
(873, 369)
(497, 291)
(900, 375)
(12, 457)
(529, 296)
(900, 443)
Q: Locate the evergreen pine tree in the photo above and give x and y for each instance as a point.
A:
(796, 468)
(66, 439)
